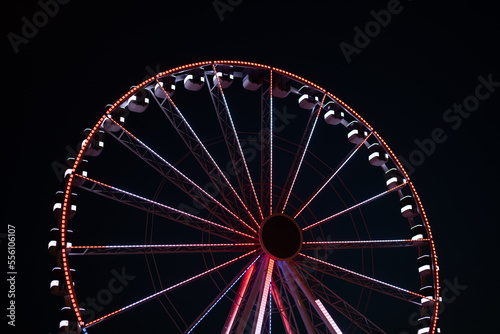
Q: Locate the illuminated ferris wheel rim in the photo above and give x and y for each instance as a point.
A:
(66, 209)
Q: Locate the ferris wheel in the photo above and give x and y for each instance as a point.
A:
(245, 199)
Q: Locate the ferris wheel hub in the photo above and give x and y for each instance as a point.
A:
(280, 237)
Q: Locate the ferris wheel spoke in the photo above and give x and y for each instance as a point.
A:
(297, 298)
(221, 295)
(258, 298)
(360, 204)
(315, 302)
(299, 155)
(283, 305)
(266, 136)
(361, 280)
(160, 209)
(176, 177)
(263, 301)
(76, 250)
(254, 290)
(202, 155)
(169, 289)
(331, 176)
(228, 208)
(238, 299)
(340, 305)
(362, 244)
(232, 141)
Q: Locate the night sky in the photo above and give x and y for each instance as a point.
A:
(416, 80)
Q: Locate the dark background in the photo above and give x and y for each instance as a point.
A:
(426, 59)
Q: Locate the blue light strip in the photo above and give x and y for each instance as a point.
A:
(225, 292)
(270, 306)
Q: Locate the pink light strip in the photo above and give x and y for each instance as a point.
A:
(167, 207)
(143, 300)
(303, 155)
(239, 297)
(332, 176)
(166, 245)
(354, 207)
(365, 242)
(281, 308)
(222, 296)
(264, 298)
(364, 276)
(271, 127)
(186, 178)
(239, 144)
(209, 155)
(328, 316)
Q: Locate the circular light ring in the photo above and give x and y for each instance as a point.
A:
(177, 70)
